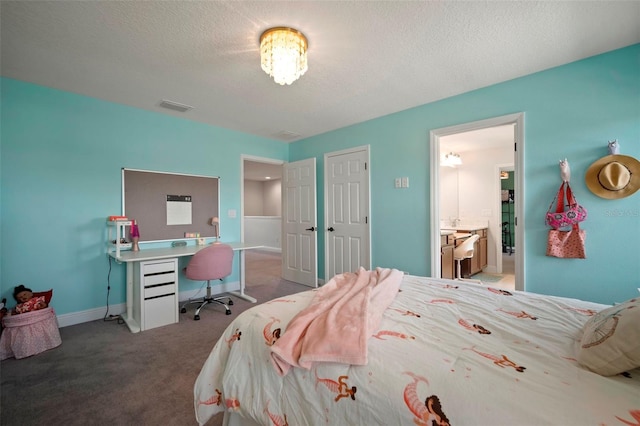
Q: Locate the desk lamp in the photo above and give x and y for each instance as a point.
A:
(215, 222)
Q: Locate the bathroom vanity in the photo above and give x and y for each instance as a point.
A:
(457, 235)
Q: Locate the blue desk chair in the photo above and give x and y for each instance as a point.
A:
(211, 263)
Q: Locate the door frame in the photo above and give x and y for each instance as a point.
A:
(367, 150)
(498, 203)
(517, 120)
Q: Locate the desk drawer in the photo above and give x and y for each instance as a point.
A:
(160, 311)
(159, 290)
(149, 268)
(165, 278)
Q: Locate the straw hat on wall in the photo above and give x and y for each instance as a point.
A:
(614, 176)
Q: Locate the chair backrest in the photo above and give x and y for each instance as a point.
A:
(465, 250)
(211, 263)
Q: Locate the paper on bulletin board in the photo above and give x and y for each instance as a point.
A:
(179, 210)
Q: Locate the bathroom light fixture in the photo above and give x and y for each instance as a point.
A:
(451, 160)
(283, 54)
(504, 175)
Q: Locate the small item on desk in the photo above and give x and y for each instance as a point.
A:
(201, 241)
(135, 236)
(113, 218)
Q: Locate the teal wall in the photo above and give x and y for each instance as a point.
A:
(570, 112)
(61, 156)
(61, 160)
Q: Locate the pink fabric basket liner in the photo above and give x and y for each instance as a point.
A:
(29, 334)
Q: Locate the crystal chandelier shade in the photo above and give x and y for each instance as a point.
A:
(283, 54)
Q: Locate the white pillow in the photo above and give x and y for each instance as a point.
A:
(611, 341)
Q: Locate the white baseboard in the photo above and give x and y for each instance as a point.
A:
(79, 317)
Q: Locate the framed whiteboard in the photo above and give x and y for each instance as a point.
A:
(168, 206)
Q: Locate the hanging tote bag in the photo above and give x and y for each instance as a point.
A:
(567, 244)
(574, 214)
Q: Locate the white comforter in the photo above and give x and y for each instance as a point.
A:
(446, 353)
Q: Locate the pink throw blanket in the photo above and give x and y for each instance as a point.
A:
(338, 322)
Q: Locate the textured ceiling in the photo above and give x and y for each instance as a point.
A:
(366, 59)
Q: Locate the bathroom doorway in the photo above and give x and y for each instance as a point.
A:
(471, 192)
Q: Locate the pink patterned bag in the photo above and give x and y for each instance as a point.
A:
(567, 244)
(561, 218)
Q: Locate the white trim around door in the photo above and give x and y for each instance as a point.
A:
(517, 120)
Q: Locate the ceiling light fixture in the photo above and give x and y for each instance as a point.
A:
(451, 160)
(283, 54)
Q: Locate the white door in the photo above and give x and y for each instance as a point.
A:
(347, 227)
(299, 238)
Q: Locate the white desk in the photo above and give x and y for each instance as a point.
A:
(130, 257)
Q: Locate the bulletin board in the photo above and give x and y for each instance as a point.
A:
(168, 206)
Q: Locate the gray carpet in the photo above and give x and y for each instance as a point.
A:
(103, 374)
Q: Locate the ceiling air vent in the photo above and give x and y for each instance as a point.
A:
(286, 135)
(175, 106)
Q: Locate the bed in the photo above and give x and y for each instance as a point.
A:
(445, 352)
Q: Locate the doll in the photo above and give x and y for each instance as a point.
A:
(26, 301)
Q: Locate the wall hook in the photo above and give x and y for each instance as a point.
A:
(565, 170)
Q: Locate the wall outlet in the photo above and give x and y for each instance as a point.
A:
(405, 182)
(398, 183)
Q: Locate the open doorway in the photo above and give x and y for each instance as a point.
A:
(470, 195)
(261, 219)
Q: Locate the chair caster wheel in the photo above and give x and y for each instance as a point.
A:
(230, 302)
(228, 312)
(183, 310)
(196, 317)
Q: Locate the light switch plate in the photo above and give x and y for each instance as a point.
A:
(398, 183)
(405, 182)
(231, 213)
